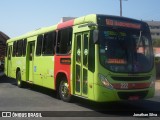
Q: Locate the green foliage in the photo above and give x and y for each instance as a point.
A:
(156, 42)
(157, 59)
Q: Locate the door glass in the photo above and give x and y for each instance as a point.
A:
(85, 63)
(9, 53)
(78, 63)
(85, 81)
(31, 60)
(78, 50)
(31, 52)
(85, 51)
(81, 67)
(78, 78)
(9, 65)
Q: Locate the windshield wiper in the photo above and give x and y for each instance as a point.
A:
(139, 40)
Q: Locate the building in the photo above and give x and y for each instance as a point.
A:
(155, 29)
(64, 19)
(3, 39)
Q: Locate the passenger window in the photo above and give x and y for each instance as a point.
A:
(19, 49)
(39, 45)
(49, 41)
(14, 48)
(24, 46)
(64, 41)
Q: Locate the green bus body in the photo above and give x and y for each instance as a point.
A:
(88, 70)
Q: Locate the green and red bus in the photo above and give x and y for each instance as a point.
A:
(97, 57)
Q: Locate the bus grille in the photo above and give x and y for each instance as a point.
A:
(128, 95)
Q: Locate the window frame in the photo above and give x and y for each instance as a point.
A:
(69, 40)
(53, 35)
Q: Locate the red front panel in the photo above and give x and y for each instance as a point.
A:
(62, 64)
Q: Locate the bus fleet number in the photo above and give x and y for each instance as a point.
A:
(124, 85)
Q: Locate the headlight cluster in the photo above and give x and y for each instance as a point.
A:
(153, 78)
(105, 81)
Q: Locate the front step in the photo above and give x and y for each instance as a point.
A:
(30, 82)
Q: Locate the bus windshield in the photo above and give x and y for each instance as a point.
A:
(125, 50)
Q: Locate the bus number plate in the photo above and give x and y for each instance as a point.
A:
(124, 85)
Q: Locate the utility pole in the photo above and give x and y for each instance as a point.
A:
(121, 7)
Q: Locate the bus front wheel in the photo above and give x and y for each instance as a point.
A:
(64, 91)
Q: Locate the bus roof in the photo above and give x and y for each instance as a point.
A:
(81, 20)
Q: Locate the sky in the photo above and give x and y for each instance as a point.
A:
(18, 17)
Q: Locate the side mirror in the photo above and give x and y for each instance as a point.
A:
(95, 36)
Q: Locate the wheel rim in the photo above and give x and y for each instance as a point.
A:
(64, 89)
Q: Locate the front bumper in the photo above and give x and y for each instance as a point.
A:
(102, 94)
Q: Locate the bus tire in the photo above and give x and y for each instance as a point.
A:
(64, 91)
(19, 80)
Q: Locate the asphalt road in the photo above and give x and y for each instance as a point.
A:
(34, 98)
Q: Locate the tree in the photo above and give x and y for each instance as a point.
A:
(156, 42)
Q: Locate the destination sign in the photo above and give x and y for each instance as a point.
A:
(111, 22)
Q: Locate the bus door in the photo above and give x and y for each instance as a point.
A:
(81, 64)
(30, 61)
(9, 61)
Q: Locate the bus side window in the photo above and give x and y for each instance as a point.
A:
(14, 48)
(49, 43)
(19, 48)
(39, 45)
(64, 41)
(24, 47)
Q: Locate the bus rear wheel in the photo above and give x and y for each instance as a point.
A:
(18, 78)
(64, 91)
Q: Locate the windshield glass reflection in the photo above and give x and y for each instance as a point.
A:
(125, 50)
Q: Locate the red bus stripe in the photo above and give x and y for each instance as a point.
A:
(65, 24)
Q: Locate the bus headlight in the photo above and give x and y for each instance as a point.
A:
(105, 81)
